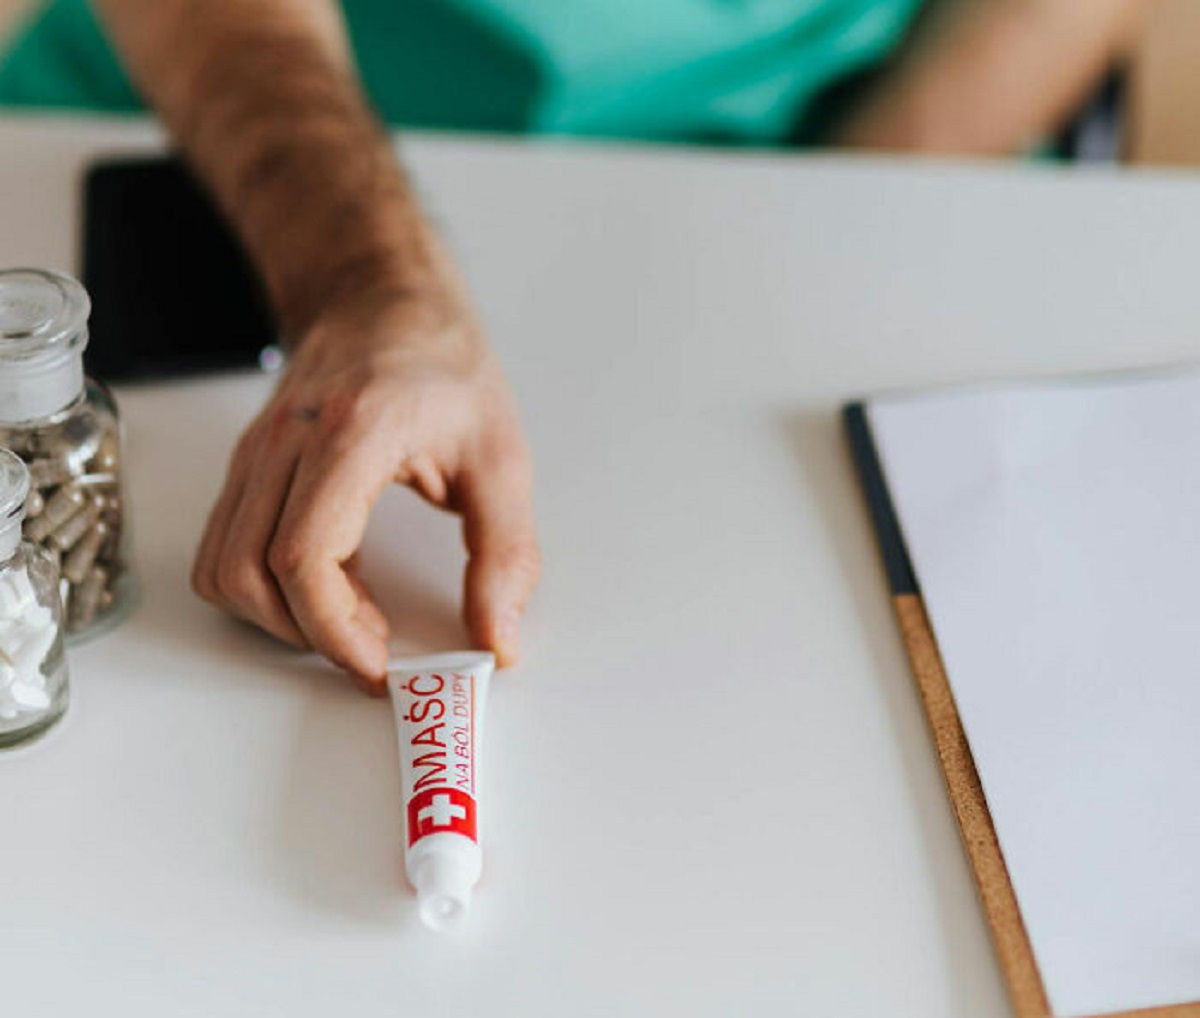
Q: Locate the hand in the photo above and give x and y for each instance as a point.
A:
(395, 388)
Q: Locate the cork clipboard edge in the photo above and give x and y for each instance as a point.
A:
(1009, 936)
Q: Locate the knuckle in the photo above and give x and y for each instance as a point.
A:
(349, 408)
(240, 581)
(286, 555)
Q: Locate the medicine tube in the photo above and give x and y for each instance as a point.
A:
(438, 702)
(66, 428)
(33, 668)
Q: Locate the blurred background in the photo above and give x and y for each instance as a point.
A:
(1162, 115)
(9, 9)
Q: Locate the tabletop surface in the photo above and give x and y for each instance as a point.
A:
(709, 788)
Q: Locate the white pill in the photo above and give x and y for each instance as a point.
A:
(38, 618)
(28, 658)
(16, 593)
(29, 696)
(10, 635)
(35, 620)
(22, 587)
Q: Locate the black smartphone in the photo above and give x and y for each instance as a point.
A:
(173, 292)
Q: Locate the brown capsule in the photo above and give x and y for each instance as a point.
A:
(65, 503)
(110, 550)
(66, 534)
(42, 442)
(76, 440)
(85, 598)
(34, 504)
(46, 473)
(108, 455)
(83, 556)
(15, 440)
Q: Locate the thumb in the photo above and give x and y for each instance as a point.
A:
(505, 562)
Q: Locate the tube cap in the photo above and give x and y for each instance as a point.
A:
(444, 882)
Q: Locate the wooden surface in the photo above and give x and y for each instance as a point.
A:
(975, 824)
(970, 808)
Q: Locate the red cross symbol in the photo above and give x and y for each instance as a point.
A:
(440, 811)
(434, 810)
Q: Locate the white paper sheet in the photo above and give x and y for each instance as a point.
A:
(1055, 533)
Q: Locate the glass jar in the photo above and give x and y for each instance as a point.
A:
(67, 430)
(33, 667)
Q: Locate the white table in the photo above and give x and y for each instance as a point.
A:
(710, 789)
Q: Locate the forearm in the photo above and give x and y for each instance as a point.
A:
(991, 76)
(261, 97)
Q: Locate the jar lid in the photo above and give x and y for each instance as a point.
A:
(43, 314)
(14, 486)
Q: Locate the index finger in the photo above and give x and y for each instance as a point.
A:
(319, 531)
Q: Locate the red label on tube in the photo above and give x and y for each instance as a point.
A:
(438, 746)
(441, 810)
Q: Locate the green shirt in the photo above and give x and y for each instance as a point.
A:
(736, 71)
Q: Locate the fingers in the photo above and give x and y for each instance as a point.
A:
(505, 561)
(244, 547)
(281, 543)
(208, 554)
(311, 555)
(371, 615)
(243, 579)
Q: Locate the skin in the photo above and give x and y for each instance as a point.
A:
(390, 379)
(991, 77)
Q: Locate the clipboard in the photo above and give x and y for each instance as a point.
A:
(1010, 939)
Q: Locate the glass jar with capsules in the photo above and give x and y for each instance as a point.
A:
(66, 428)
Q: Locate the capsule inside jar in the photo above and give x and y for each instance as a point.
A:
(66, 428)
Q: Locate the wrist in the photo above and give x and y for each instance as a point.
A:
(351, 285)
(382, 313)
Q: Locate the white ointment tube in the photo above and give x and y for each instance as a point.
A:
(438, 702)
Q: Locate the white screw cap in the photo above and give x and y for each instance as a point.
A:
(444, 882)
